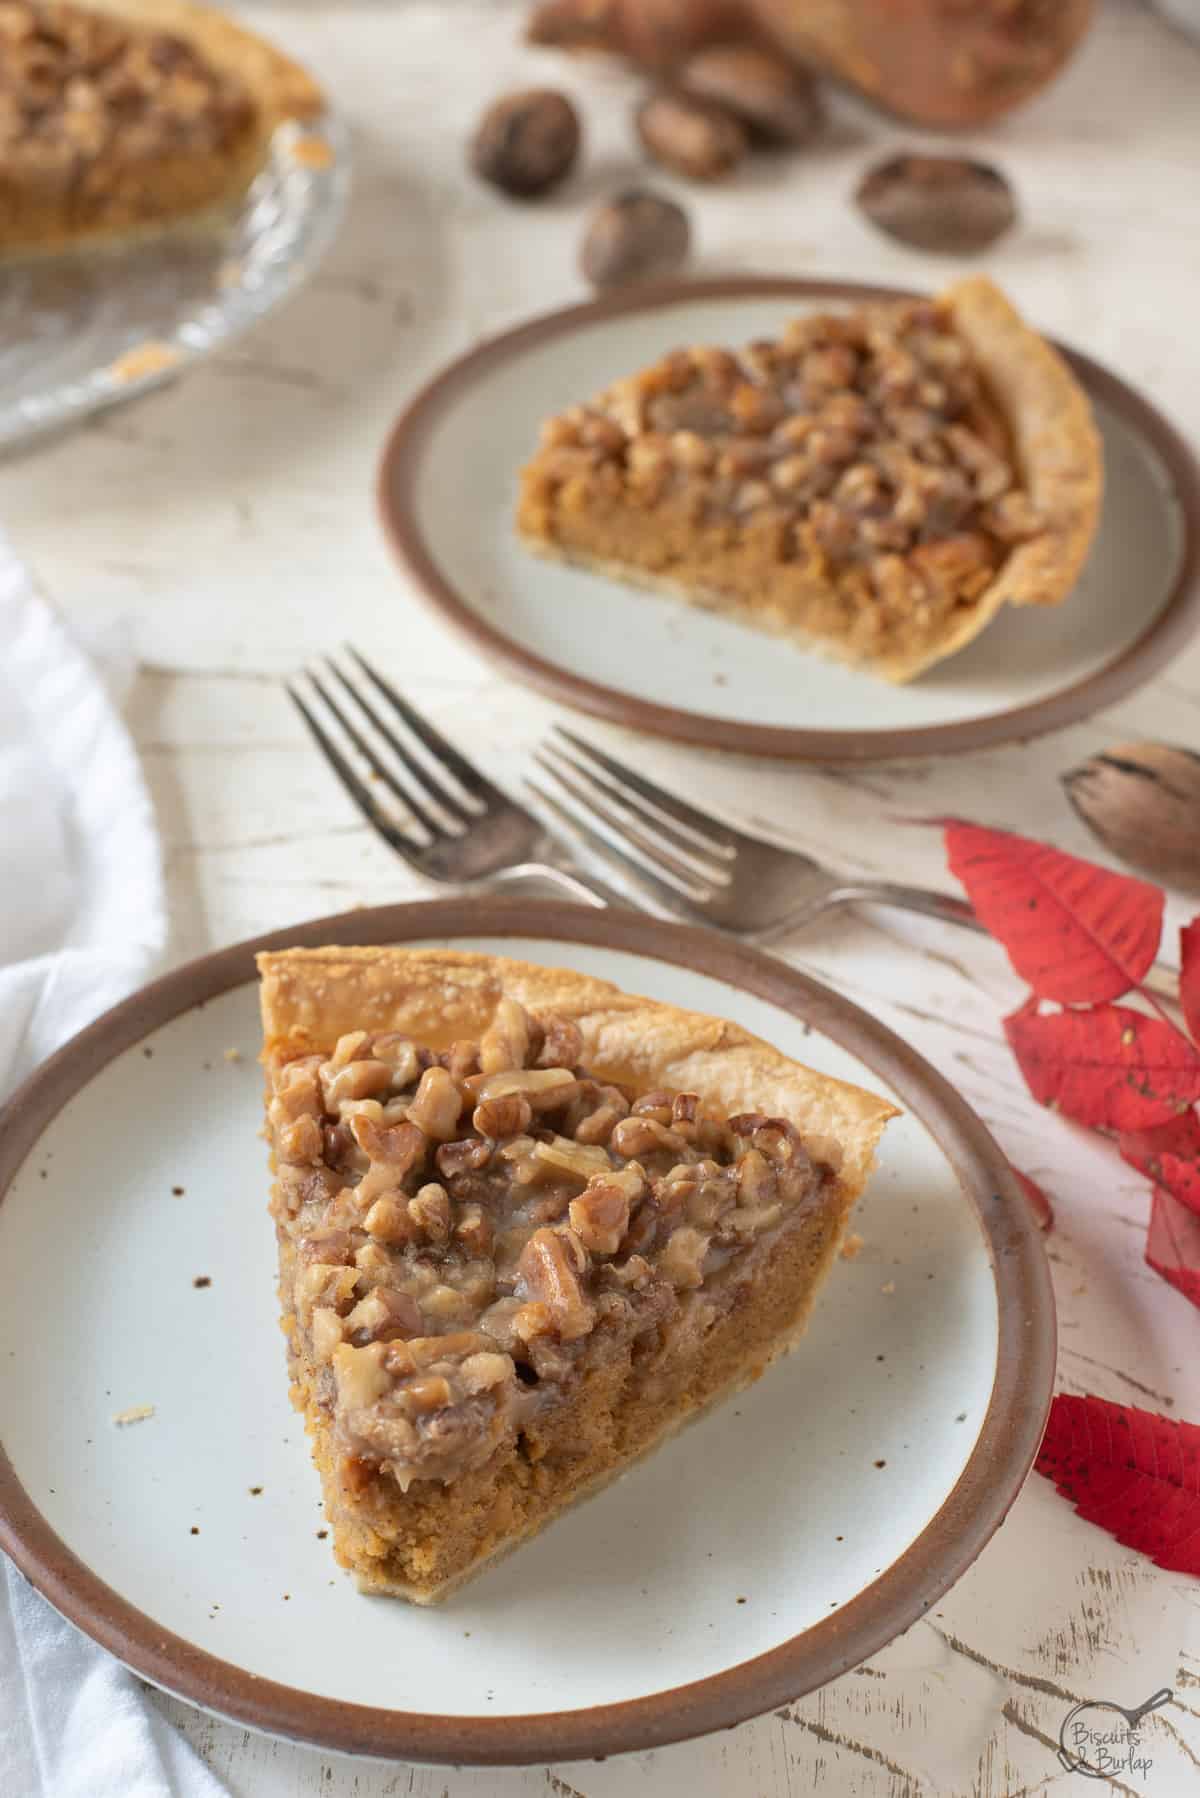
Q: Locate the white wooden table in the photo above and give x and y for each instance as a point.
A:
(230, 519)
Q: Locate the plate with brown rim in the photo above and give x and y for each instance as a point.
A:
(786, 1536)
(646, 661)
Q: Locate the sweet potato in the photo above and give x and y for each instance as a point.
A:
(938, 63)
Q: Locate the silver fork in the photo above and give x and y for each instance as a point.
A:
(455, 826)
(695, 862)
(458, 829)
(710, 871)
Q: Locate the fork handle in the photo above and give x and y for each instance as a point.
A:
(1161, 980)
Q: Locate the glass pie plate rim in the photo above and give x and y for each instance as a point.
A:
(248, 257)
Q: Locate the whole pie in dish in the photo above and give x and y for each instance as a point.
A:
(875, 483)
(120, 115)
(528, 1226)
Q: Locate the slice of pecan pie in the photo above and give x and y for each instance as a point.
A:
(875, 483)
(528, 1226)
(120, 115)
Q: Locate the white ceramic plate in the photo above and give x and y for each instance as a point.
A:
(90, 327)
(646, 660)
(779, 1541)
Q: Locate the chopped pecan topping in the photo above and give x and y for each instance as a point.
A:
(297, 1093)
(384, 1316)
(437, 1106)
(82, 93)
(301, 1141)
(400, 1053)
(340, 1149)
(361, 1376)
(580, 1161)
(600, 1216)
(327, 1330)
(474, 1230)
(353, 1080)
(389, 1219)
(430, 1212)
(567, 1213)
(505, 1044)
(543, 1089)
(347, 1048)
(599, 1114)
(463, 1157)
(656, 1105)
(756, 1178)
(682, 1260)
(333, 1248)
(547, 1274)
(645, 1135)
(510, 1116)
(326, 1286)
(398, 1146)
(300, 1189)
(461, 1060)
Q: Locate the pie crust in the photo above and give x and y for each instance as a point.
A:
(668, 1309)
(122, 116)
(874, 484)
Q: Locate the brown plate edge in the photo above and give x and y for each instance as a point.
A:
(978, 1503)
(1164, 636)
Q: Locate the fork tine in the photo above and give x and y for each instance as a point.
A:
(454, 806)
(705, 830)
(417, 805)
(619, 833)
(444, 754)
(653, 891)
(628, 813)
(354, 784)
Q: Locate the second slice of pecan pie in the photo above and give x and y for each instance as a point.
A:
(119, 116)
(528, 1226)
(876, 483)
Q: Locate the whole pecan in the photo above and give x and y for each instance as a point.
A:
(526, 142)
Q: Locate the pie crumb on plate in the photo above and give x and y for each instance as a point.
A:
(133, 1414)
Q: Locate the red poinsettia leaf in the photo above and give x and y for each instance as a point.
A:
(1111, 1067)
(1077, 933)
(1189, 975)
(1173, 1244)
(1152, 1524)
(1134, 1473)
(1169, 1154)
(1039, 1204)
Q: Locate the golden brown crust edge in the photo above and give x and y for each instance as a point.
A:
(1059, 456)
(310, 997)
(280, 87)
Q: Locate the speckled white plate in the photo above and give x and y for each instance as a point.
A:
(646, 660)
(779, 1541)
(90, 327)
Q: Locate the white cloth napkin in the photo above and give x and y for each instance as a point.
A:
(82, 915)
(82, 920)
